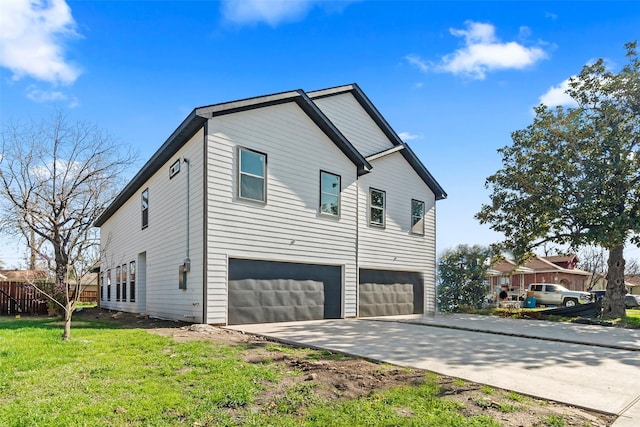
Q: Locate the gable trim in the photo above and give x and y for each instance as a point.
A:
(385, 152)
(384, 126)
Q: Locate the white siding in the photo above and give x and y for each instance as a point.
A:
(288, 227)
(395, 247)
(164, 240)
(346, 113)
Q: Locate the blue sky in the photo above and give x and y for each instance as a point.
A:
(454, 79)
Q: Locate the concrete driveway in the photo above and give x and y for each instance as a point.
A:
(585, 375)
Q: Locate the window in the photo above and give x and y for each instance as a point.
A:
(417, 217)
(118, 283)
(132, 281)
(108, 285)
(252, 175)
(101, 286)
(329, 194)
(145, 208)
(376, 207)
(174, 169)
(124, 282)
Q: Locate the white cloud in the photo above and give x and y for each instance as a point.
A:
(41, 96)
(418, 62)
(556, 95)
(406, 136)
(484, 52)
(275, 12)
(272, 12)
(31, 40)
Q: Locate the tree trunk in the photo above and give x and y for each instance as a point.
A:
(613, 306)
(68, 310)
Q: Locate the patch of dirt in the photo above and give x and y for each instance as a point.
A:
(335, 377)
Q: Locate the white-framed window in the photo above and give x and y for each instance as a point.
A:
(174, 169)
(329, 193)
(145, 208)
(377, 207)
(108, 285)
(124, 282)
(417, 217)
(132, 281)
(252, 175)
(118, 276)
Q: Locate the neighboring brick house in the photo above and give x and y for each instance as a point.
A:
(282, 207)
(560, 269)
(632, 282)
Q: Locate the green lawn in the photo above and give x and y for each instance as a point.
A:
(633, 318)
(128, 377)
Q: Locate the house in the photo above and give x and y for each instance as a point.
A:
(283, 207)
(560, 269)
(632, 283)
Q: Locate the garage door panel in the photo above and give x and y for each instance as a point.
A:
(267, 291)
(387, 293)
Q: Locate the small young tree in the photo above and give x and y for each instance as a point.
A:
(56, 178)
(462, 277)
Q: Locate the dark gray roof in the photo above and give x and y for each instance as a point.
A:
(375, 115)
(199, 116)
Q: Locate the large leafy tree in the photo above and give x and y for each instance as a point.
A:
(462, 277)
(572, 177)
(56, 178)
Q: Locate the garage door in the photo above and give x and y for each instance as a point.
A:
(388, 293)
(267, 291)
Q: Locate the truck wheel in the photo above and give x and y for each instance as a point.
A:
(570, 302)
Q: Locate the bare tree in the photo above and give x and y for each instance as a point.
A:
(594, 260)
(632, 268)
(56, 178)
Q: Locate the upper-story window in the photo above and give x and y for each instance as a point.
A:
(377, 207)
(417, 217)
(252, 172)
(329, 194)
(145, 208)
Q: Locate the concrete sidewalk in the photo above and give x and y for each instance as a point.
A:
(575, 333)
(588, 366)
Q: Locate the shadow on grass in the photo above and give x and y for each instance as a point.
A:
(90, 318)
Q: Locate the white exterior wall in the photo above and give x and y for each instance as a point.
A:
(164, 241)
(395, 247)
(288, 228)
(347, 114)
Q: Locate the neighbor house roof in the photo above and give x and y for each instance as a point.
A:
(375, 115)
(199, 116)
(632, 280)
(539, 265)
(22, 275)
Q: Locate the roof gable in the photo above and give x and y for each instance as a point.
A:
(199, 116)
(388, 131)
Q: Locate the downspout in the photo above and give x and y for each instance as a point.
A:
(357, 247)
(186, 161)
(205, 231)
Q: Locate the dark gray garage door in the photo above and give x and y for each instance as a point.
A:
(267, 291)
(387, 293)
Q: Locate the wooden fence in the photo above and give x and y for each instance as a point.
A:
(21, 298)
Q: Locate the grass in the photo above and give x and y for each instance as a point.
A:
(632, 319)
(128, 377)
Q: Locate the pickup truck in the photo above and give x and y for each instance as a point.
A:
(553, 294)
